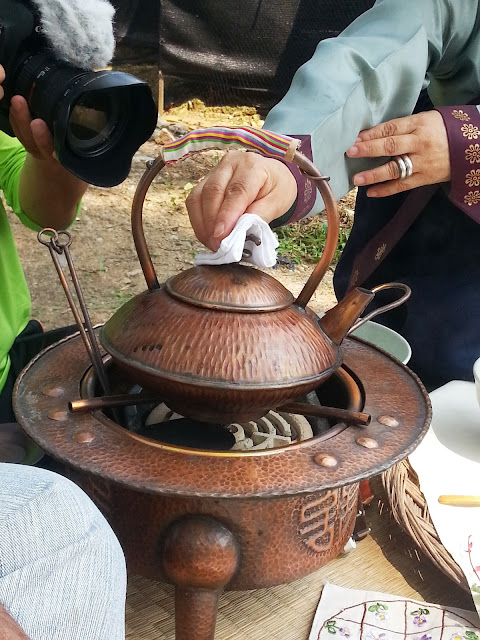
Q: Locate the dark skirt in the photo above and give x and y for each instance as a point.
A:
(439, 258)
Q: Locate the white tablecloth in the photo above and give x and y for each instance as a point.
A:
(448, 462)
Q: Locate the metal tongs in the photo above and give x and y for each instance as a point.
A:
(58, 243)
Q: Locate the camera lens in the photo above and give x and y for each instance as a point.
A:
(95, 120)
(90, 120)
(98, 119)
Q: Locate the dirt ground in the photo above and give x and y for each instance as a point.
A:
(103, 249)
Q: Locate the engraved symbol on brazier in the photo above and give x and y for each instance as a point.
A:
(100, 491)
(324, 517)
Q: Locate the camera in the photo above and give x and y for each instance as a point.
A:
(98, 119)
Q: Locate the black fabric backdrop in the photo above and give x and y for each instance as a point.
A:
(224, 46)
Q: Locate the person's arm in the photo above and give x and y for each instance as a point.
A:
(49, 194)
(443, 146)
(372, 73)
(41, 192)
(9, 629)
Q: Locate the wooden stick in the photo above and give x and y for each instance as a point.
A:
(460, 501)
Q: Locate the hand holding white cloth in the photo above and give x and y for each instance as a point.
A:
(232, 247)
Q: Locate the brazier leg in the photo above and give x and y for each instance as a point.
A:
(200, 557)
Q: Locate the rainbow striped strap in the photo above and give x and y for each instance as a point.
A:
(265, 142)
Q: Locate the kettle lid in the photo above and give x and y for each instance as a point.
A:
(230, 287)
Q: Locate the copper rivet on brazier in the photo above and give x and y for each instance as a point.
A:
(83, 437)
(325, 460)
(58, 415)
(53, 392)
(388, 421)
(368, 443)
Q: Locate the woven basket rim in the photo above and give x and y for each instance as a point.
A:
(409, 508)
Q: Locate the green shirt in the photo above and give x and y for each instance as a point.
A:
(14, 295)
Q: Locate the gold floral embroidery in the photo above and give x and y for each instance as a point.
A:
(354, 278)
(472, 197)
(381, 251)
(308, 191)
(470, 131)
(472, 153)
(460, 115)
(473, 178)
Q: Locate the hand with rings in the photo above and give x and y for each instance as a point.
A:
(419, 146)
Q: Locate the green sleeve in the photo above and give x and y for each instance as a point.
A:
(12, 157)
(374, 71)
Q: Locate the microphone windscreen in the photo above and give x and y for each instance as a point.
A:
(79, 31)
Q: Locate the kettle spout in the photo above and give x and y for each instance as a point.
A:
(337, 322)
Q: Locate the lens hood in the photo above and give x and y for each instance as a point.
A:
(100, 122)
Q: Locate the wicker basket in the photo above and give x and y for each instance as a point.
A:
(410, 510)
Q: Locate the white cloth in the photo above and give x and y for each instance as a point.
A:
(371, 615)
(232, 247)
(448, 462)
(62, 571)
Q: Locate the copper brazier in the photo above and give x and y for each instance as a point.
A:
(209, 520)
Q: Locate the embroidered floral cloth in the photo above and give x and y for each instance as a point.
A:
(448, 462)
(370, 615)
(463, 131)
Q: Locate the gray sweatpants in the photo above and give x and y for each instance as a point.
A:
(62, 571)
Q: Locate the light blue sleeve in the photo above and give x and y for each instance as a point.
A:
(374, 71)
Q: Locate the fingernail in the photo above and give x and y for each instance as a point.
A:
(358, 139)
(352, 151)
(219, 229)
(371, 193)
(358, 180)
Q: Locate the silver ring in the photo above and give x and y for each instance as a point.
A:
(405, 166)
(408, 164)
(402, 167)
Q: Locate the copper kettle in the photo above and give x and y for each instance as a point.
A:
(228, 343)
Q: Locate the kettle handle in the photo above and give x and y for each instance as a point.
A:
(260, 140)
(392, 305)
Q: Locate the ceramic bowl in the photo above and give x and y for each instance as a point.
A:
(387, 339)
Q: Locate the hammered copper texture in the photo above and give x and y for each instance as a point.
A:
(389, 388)
(257, 362)
(279, 539)
(280, 514)
(236, 404)
(217, 348)
(195, 613)
(198, 552)
(230, 287)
